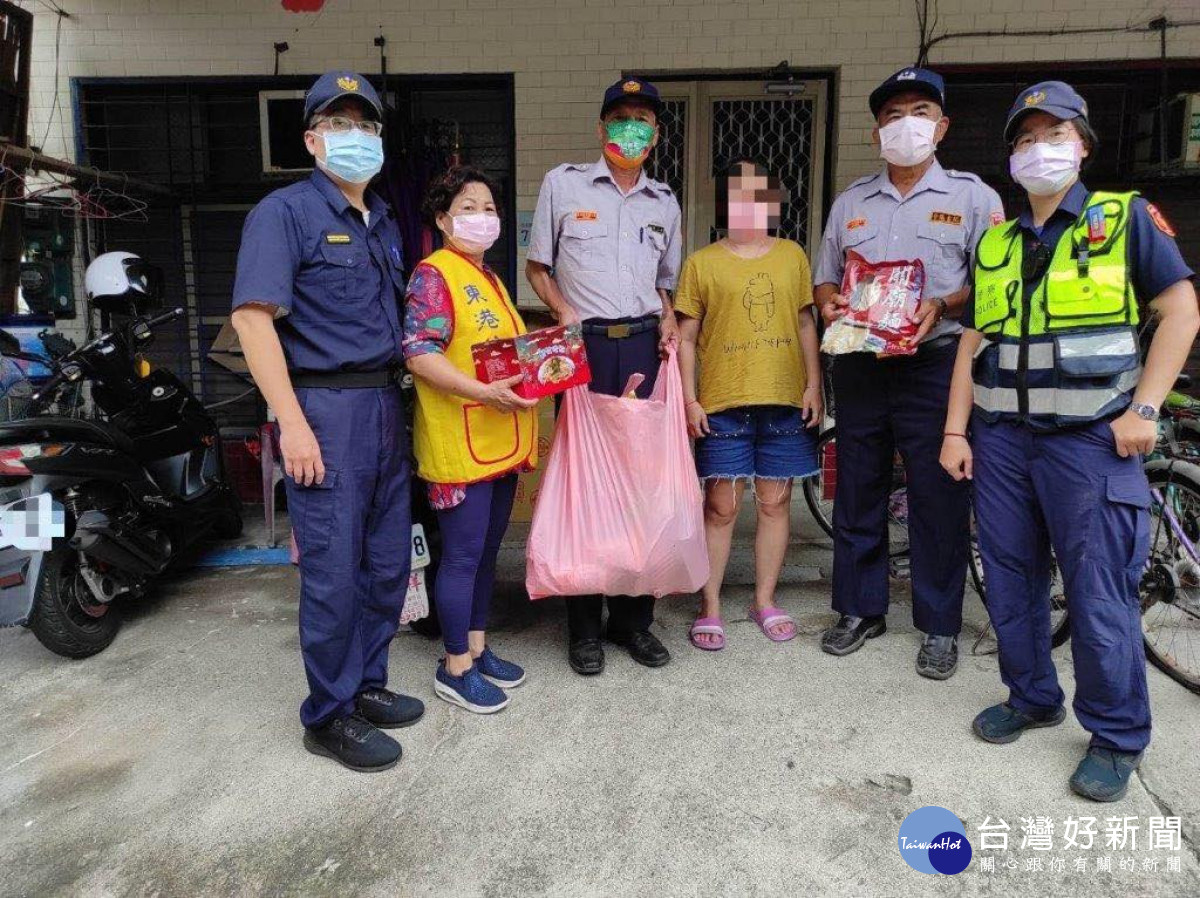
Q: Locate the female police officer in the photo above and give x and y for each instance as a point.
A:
(1063, 412)
(316, 306)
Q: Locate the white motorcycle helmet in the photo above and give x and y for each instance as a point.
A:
(122, 283)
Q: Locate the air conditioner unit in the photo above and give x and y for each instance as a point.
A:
(1180, 136)
(281, 128)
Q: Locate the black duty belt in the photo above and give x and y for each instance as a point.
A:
(619, 328)
(346, 380)
(939, 342)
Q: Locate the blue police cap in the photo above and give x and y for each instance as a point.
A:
(632, 89)
(1057, 98)
(336, 85)
(923, 81)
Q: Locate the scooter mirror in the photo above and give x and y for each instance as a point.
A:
(9, 345)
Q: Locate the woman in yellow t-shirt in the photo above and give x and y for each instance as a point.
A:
(745, 320)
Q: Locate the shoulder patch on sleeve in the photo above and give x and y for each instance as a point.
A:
(1160, 220)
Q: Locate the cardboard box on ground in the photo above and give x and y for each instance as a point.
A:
(529, 484)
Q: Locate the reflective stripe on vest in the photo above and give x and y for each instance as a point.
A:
(456, 440)
(1071, 350)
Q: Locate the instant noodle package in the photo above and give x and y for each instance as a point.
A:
(884, 298)
(552, 359)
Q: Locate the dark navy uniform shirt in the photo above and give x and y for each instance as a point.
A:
(1154, 256)
(335, 282)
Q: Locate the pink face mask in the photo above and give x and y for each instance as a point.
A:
(749, 216)
(477, 231)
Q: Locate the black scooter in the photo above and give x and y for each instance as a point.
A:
(94, 510)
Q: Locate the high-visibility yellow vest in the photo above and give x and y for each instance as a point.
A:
(1069, 354)
(457, 440)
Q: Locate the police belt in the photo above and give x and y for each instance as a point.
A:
(347, 380)
(619, 328)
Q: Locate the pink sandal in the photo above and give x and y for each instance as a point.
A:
(708, 626)
(771, 617)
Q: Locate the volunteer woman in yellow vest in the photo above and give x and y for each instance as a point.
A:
(1050, 413)
(471, 439)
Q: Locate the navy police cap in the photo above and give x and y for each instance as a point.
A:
(334, 86)
(923, 81)
(1057, 98)
(632, 89)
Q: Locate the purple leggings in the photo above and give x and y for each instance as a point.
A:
(471, 534)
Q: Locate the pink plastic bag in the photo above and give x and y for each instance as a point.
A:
(620, 510)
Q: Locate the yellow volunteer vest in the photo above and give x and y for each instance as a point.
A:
(457, 440)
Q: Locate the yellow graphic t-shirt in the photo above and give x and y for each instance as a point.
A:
(749, 311)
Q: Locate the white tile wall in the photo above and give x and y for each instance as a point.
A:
(564, 52)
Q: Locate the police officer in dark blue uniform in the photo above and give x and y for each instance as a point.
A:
(316, 307)
(1061, 410)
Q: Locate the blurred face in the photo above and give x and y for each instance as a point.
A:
(916, 105)
(754, 201)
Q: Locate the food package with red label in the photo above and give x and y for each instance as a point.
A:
(552, 359)
(883, 300)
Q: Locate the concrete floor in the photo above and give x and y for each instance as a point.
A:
(171, 764)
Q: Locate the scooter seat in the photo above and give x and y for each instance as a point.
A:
(67, 430)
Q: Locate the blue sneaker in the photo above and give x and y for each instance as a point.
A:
(496, 670)
(470, 691)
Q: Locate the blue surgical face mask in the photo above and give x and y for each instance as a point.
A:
(352, 155)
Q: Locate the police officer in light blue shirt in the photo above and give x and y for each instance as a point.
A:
(911, 209)
(316, 306)
(605, 250)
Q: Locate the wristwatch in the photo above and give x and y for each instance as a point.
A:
(1146, 412)
(941, 304)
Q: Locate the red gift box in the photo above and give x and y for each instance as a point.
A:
(552, 359)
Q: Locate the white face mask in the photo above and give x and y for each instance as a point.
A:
(1045, 169)
(907, 141)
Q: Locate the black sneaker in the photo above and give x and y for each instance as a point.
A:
(938, 657)
(644, 647)
(389, 710)
(849, 633)
(1003, 723)
(353, 742)
(1104, 773)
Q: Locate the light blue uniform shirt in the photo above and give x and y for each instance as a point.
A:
(940, 222)
(610, 251)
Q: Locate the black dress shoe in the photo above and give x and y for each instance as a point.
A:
(586, 657)
(353, 743)
(389, 710)
(849, 633)
(644, 647)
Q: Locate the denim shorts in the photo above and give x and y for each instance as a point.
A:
(768, 441)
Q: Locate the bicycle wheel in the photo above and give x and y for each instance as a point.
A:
(1170, 587)
(819, 490)
(819, 493)
(1060, 621)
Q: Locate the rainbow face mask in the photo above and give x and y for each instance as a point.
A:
(628, 142)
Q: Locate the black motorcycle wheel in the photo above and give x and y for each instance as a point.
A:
(65, 617)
